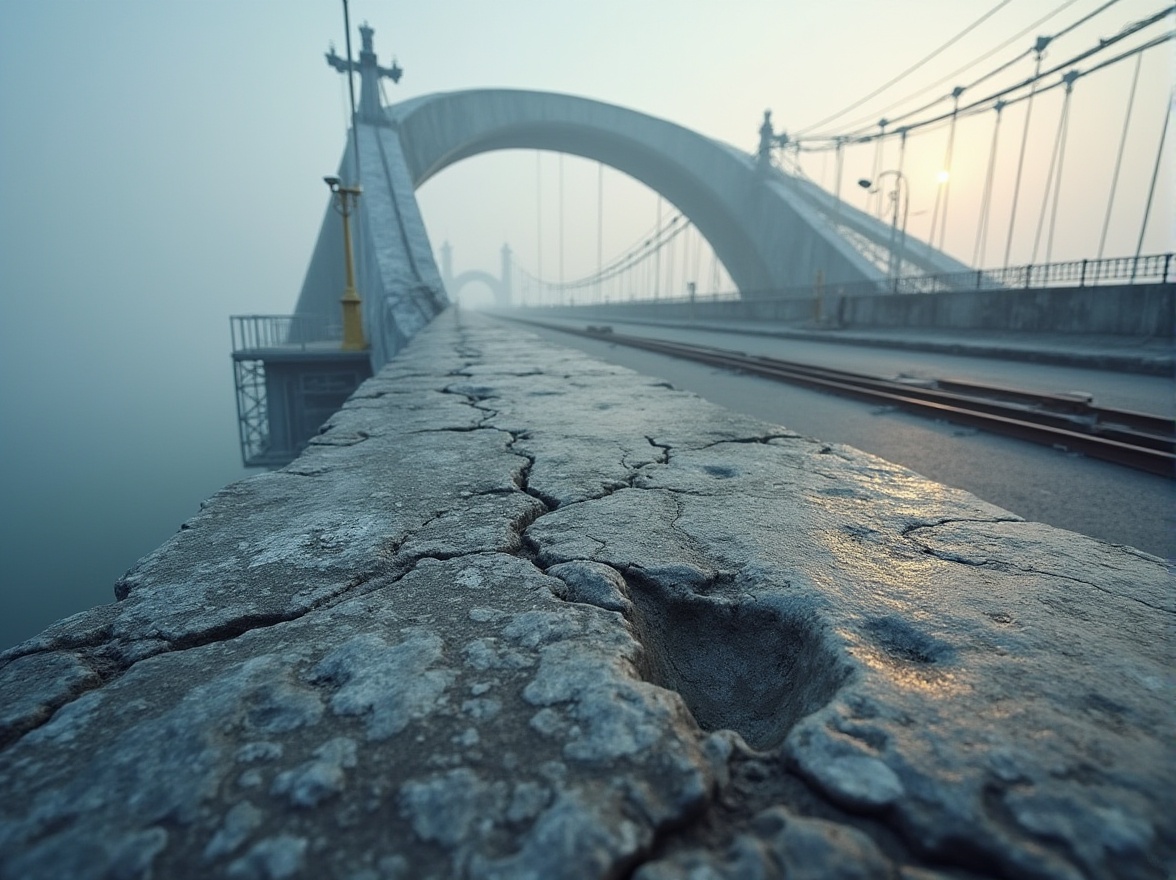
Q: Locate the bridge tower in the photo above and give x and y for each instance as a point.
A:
(370, 73)
(291, 372)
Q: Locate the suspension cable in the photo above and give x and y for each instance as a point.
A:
(839, 171)
(956, 92)
(1050, 176)
(914, 67)
(986, 199)
(657, 253)
(1151, 192)
(877, 166)
(1021, 159)
(982, 104)
(561, 220)
(633, 256)
(1102, 239)
(1063, 137)
(599, 222)
(539, 217)
(1085, 19)
(955, 73)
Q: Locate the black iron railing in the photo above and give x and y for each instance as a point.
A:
(1145, 269)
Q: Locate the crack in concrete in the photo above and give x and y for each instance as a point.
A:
(934, 524)
(101, 656)
(999, 565)
(97, 650)
(666, 450)
(763, 440)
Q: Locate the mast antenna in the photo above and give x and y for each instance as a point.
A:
(351, 87)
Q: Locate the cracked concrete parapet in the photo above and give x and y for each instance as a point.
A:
(520, 614)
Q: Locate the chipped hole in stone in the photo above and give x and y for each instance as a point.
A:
(721, 472)
(745, 666)
(901, 641)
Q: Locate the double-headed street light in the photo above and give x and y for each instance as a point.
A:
(901, 191)
(344, 202)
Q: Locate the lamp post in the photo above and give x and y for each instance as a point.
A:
(344, 202)
(901, 186)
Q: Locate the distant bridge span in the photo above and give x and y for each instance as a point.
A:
(771, 230)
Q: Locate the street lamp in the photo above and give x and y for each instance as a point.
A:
(344, 203)
(901, 186)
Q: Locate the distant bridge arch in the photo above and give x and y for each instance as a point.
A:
(476, 276)
(500, 287)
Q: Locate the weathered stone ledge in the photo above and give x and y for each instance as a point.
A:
(518, 613)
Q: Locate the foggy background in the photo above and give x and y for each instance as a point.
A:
(161, 165)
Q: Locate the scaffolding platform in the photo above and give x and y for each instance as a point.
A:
(291, 375)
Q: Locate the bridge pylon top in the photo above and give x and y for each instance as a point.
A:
(370, 73)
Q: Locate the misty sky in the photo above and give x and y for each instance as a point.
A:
(161, 169)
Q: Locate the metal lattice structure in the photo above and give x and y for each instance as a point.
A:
(291, 375)
(252, 412)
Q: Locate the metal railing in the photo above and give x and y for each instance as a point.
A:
(1145, 269)
(256, 332)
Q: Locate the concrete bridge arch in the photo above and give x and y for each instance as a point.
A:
(771, 230)
(766, 241)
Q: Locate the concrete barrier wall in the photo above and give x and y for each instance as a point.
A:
(521, 614)
(1144, 310)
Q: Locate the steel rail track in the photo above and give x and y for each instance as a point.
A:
(1065, 421)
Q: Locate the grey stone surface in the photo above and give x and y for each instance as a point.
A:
(520, 614)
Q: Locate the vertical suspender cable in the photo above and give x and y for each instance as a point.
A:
(986, 199)
(1102, 239)
(837, 171)
(599, 224)
(699, 241)
(1053, 164)
(1039, 48)
(561, 225)
(955, 94)
(882, 123)
(657, 254)
(672, 244)
(935, 210)
(539, 223)
(902, 139)
(1151, 192)
(1062, 138)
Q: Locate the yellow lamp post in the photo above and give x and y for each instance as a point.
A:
(346, 196)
